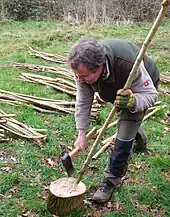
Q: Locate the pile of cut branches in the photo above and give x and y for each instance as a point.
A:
(56, 83)
(165, 79)
(9, 124)
(44, 104)
(165, 91)
(57, 70)
(64, 82)
(50, 57)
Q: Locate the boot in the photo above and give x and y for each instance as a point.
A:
(104, 193)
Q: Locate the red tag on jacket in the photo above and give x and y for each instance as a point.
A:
(146, 83)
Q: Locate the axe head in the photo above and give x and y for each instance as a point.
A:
(67, 163)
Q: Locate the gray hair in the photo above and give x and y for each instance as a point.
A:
(87, 51)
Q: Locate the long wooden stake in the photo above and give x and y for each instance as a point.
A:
(131, 77)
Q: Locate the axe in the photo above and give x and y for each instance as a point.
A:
(67, 159)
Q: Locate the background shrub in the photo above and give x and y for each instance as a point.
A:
(89, 11)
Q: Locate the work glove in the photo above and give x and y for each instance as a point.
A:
(124, 99)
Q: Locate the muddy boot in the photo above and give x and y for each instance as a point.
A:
(140, 141)
(104, 193)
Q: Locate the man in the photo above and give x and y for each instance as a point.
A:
(103, 67)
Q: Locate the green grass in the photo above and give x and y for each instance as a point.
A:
(25, 175)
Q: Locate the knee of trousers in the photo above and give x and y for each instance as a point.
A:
(120, 157)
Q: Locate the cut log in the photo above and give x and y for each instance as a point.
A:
(65, 195)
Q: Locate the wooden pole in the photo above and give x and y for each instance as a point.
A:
(131, 77)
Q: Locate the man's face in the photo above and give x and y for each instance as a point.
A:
(85, 75)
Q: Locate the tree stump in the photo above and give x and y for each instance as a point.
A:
(65, 195)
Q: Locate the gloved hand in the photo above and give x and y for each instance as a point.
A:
(124, 99)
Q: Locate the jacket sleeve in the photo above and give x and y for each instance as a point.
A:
(144, 90)
(84, 101)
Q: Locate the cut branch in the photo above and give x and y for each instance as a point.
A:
(106, 144)
(50, 57)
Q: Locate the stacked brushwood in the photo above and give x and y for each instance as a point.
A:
(10, 125)
(64, 82)
(44, 104)
(46, 56)
(57, 83)
(57, 70)
(165, 79)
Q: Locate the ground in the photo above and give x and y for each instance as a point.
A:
(27, 169)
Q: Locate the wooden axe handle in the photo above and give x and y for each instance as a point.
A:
(74, 152)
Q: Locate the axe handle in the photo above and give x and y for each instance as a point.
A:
(74, 152)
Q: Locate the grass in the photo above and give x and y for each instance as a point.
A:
(25, 173)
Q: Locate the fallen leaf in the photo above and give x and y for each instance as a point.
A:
(95, 214)
(57, 131)
(14, 189)
(50, 162)
(144, 207)
(4, 156)
(154, 188)
(43, 195)
(167, 175)
(29, 214)
(53, 163)
(166, 129)
(22, 207)
(116, 206)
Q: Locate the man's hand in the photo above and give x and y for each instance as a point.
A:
(124, 99)
(81, 140)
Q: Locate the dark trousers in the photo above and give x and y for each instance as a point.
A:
(129, 129)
